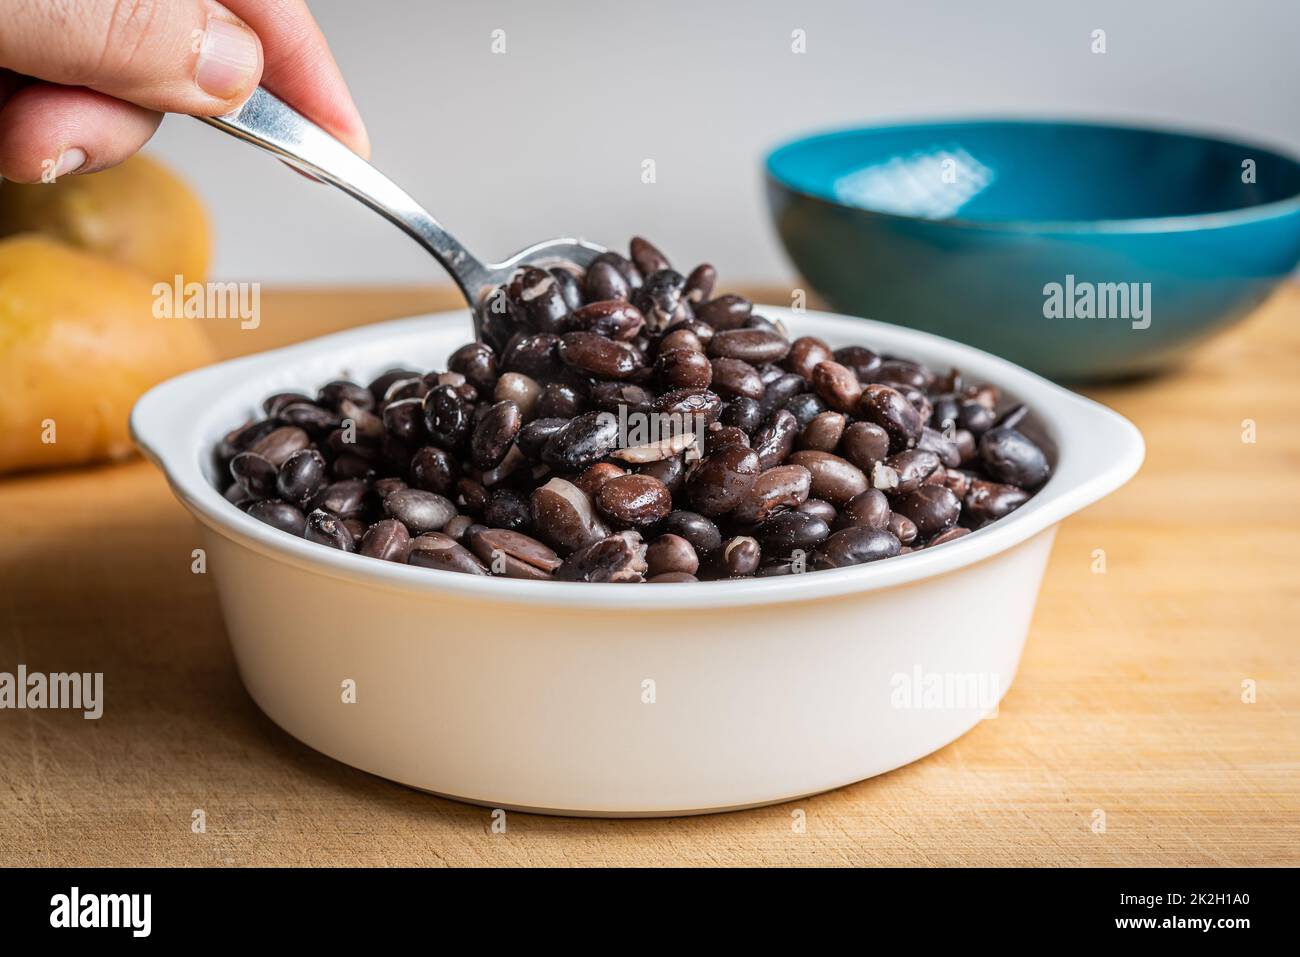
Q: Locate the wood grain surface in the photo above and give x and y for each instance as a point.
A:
(1128, 709)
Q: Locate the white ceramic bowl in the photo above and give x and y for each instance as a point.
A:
(622, 700)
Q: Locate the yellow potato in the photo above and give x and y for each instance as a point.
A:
(139, 213)
(78, 345)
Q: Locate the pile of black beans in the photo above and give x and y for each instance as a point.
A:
(516, 460)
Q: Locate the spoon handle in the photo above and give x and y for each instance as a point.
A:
(271, 124)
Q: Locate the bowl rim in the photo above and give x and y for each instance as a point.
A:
(1098, 451)
(1135, 225)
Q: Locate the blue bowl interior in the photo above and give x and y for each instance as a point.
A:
(1032, 172)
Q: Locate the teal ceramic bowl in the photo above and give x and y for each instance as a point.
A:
(1080, 250)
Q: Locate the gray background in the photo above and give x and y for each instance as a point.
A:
(549, 137)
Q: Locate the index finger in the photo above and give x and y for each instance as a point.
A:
(300, 69)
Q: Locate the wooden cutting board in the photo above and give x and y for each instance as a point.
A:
(1125, 739)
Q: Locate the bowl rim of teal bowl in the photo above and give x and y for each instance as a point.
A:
(1140, 224)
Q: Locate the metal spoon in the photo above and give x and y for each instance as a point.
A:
(271, 124)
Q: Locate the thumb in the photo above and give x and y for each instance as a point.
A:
(177, 56)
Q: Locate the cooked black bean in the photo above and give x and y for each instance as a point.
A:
(565, 516)
(404, 419)
(1011, 457)
(985, 502)
(700, 531)
(387, 539)
(902, 528)
(447, 417)
(302, 476)
(662, 300)
(325, 528)
(866, 508)
(725, 312)
(508, 508)
(975, 418)
(823, 432)
(436, 550)
(333, 394)
(775, 440)
(744, 414)
(805, 354)
(348, 466)
(864, 363)
(671, 554)
(599, 356)
(308, 416)
(789, 532)
(932, 508)
(774, 490)
(819, 507)
(671, 471)
(579, 422)
(736, 378)
(908, 373)
(614, 318)
(434, 470)
(279, 514)
(611, 396)
(889, 409)
(740, 556)
(805, 407)
(594, 476)
(750, 345)
(618, 558)
(254, 473)
(909, 470)
(495, 433)
(625, 266)
(560, 400)
(941, 445)
(647, 257)
(541, 299)
(420, 511)
(605, 282)
(723, 480)
(520, 389)
(634, 499)
(855, 546)
(690, 403)
(837, 386)
(537, 356)
(699, 284)
(719, 436)
(272, 404)
(345, 498)
(511, 554)
(951, 535)
(582, 441)
(276, 446)
(834, 479)
(779, 389)
(683, 369)
(477, 363)
(570, 288)
(238, 496)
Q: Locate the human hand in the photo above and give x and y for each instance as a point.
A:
(83, 84)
